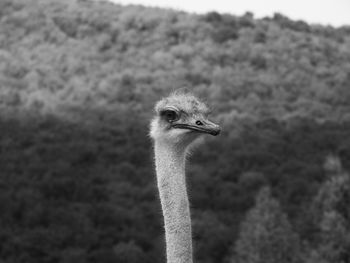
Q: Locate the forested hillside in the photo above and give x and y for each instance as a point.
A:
(78, 81)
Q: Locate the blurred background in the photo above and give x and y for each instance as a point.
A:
(78, 81)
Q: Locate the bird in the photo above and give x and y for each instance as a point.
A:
(180, 121)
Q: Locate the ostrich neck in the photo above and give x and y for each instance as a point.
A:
(170, 168)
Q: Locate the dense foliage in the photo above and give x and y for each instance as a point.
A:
(332, 214)
(266, 235)
(78, 80)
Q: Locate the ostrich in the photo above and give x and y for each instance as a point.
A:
(180, 121)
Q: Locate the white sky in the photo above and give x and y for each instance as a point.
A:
(326, 12)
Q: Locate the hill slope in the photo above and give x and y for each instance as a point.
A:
(94, 54)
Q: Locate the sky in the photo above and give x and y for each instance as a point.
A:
(325, 12)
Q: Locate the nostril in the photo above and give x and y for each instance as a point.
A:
(199, 123)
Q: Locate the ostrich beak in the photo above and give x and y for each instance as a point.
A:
(202, 126)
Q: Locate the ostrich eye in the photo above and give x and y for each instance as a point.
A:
(170, 115)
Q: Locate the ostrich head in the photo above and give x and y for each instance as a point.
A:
(180, 120)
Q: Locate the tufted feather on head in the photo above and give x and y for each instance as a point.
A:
(185, 102)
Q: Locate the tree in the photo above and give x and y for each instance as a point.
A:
(332, 216)
(129, 253)
(266, 235)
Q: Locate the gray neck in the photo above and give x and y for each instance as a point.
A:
(170, 168)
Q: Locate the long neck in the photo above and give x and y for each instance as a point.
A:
(170, 168)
